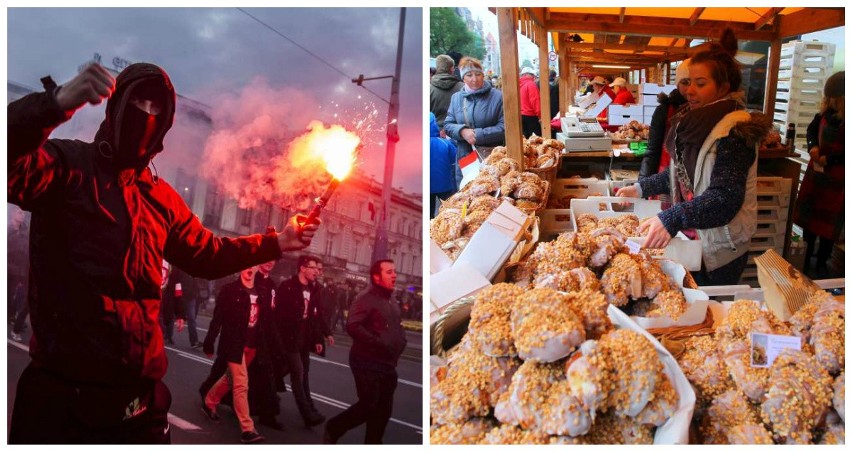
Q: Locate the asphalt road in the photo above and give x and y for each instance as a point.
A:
(332, 387)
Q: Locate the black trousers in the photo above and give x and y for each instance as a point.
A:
(298, 364)
(375, 390)
(531, 125)
(51, 410)
(725, 275)
(823, 253)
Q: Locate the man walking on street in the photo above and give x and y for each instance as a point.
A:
(244, 316)
(102, 223)
(377, 343)
(298, 312)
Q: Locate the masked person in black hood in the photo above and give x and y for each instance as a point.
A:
(101, 226)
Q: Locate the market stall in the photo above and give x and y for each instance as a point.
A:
(551, 323)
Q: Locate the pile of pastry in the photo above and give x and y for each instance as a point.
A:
(546, 367)
(597, 258)
(541, 153)
(633, 130)
(799, 399)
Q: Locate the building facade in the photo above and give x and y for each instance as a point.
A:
(344, 242)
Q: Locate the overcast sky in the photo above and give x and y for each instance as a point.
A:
(212, 52)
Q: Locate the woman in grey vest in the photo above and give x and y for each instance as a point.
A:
(712, 176)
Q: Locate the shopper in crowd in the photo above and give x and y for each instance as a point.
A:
(656, 158)
(442, 86)
(326, 290)
(623, 96)
(820, 204)
(102, 223)
(530, 103)
(712, 177)
(21, 311)
(299, 317)
(600, 88)
(475, 116)
(244, 316)
(179, 307)
(442, 167)
(377, 343)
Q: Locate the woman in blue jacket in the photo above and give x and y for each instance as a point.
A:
(475, 116)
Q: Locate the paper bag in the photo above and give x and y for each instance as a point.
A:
(785, 289)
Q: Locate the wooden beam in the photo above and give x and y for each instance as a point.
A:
(544, 83)
(653, 26)
(621, 15)
(768, 17)
(537, 15)
(506, 25)
(772, 64)
(566, 76)
(695, 15)
(632, 47)
(674, 41)
(809, 20)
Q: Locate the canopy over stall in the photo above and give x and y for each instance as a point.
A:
(636, 38)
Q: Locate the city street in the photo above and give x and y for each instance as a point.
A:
(332, 387)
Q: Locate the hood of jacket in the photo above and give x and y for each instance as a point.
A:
(433, 126)
(673, 98)
(444, 80)
(486, 87)
(109, 134)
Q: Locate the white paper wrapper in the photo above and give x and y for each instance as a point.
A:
(676, 429)
(696, 301)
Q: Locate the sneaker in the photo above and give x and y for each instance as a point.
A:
(314, 418)
(251, 437)
(196, 346)
(16, 337)
(210, 413)
(326, 436)
(271, 422)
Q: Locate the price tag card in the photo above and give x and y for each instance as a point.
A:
(633, 246)
(766, 347)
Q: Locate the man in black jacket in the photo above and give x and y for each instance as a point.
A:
(377, 342)
(101, 226)
(244, 316)
(301, 325)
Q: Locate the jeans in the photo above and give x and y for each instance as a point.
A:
(191, 310)
(375, 390)
(299, 381)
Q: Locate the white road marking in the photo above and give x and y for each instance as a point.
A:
(188, 426)
(183, 424)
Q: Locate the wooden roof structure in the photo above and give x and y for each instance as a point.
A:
(636, 38)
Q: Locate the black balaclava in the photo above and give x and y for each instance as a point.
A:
(125, 125)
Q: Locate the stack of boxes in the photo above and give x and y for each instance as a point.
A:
(804, 68)
(773, 202)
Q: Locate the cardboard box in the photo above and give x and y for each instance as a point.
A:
(451, 284)
(653, 88)
(438, 259)
(680, 249)
(495, 240)
(623, 114)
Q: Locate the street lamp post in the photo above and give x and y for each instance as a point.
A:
(380, 246)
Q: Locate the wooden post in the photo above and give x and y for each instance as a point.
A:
(507, 28)
(772, 66)
(565, 76)
(544, 80)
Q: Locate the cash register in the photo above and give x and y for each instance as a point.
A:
(583, 134)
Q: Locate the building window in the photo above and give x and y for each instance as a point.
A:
(185, 186)
(214, 203)
(244, 217)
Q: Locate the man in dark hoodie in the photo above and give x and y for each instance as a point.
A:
(102, 224)
(441, 87)
(377, 342)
